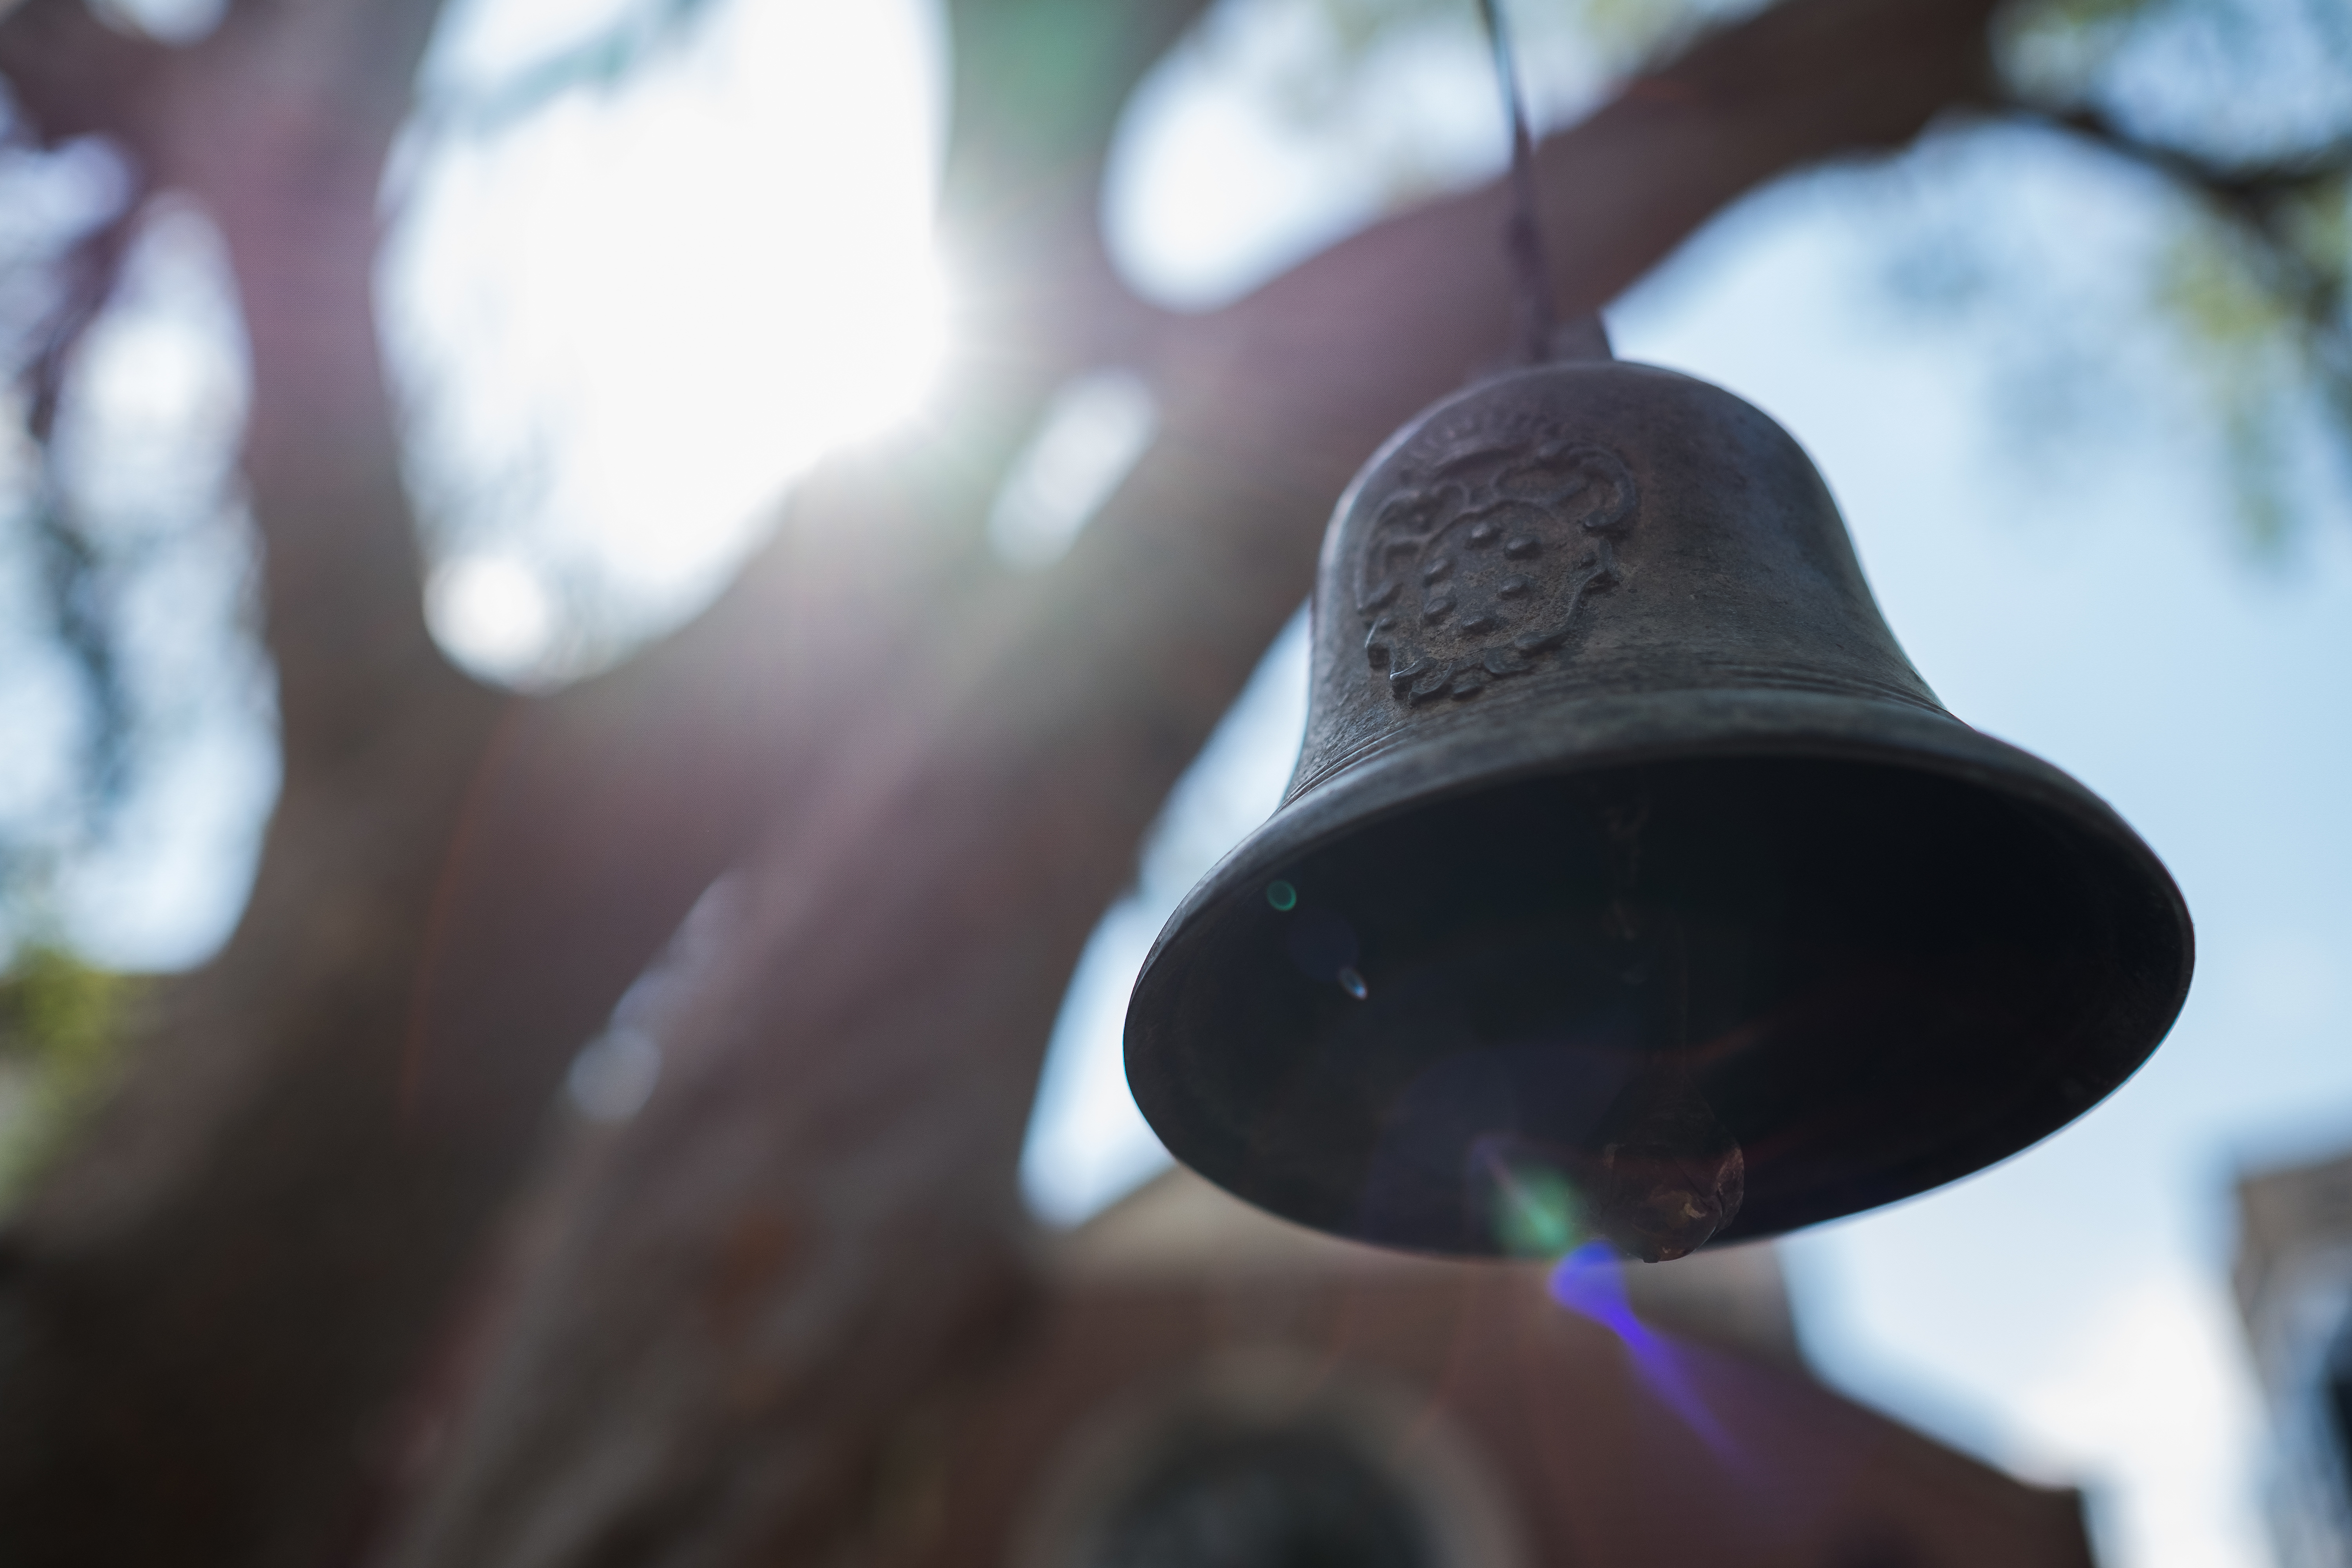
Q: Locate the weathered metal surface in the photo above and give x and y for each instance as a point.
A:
(1631, 882)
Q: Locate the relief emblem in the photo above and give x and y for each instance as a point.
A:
(1480, 561)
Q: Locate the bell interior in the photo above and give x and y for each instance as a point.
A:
(1879, 978)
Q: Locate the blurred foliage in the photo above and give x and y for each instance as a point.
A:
(1337, 70)
(2051, 49)
(61, 1026)
(2259, 349)
(65, 216)
(2255, 134)
(2243, 107)
(1613, 36)
(453, 100)
(2146, 245)
(124, 558)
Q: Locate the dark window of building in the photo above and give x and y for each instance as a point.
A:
(1266, 1499)
(1874, 1547)
(2337, 1391)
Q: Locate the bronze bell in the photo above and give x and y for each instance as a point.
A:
(1631, 883)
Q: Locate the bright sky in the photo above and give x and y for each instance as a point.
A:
(628, 323)
(629, 318)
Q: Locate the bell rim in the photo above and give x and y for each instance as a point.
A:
(1447, 761)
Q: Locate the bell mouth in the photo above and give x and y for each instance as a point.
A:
(1869, 948)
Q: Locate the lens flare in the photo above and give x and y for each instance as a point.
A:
(1536, 1211)
(1590, 1282)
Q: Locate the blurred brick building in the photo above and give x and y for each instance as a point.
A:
(1215, 1388)
(2293, 1280)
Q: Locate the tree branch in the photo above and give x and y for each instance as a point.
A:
(2253, 190)
(77, 76)
(2259, 199)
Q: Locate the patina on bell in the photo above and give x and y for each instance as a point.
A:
(1631, 883)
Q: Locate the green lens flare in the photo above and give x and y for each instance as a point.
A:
(1282, 895)
(1536, 1213)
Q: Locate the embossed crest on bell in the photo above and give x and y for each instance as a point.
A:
(1631, 883)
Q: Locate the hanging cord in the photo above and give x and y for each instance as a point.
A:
(1540, 339)
(1522, 239)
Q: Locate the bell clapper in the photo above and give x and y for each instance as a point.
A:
(1672, 1175)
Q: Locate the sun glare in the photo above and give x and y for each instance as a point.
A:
(627, 319)
(493, 615)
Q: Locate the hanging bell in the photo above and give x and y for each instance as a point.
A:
(1631, 884)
